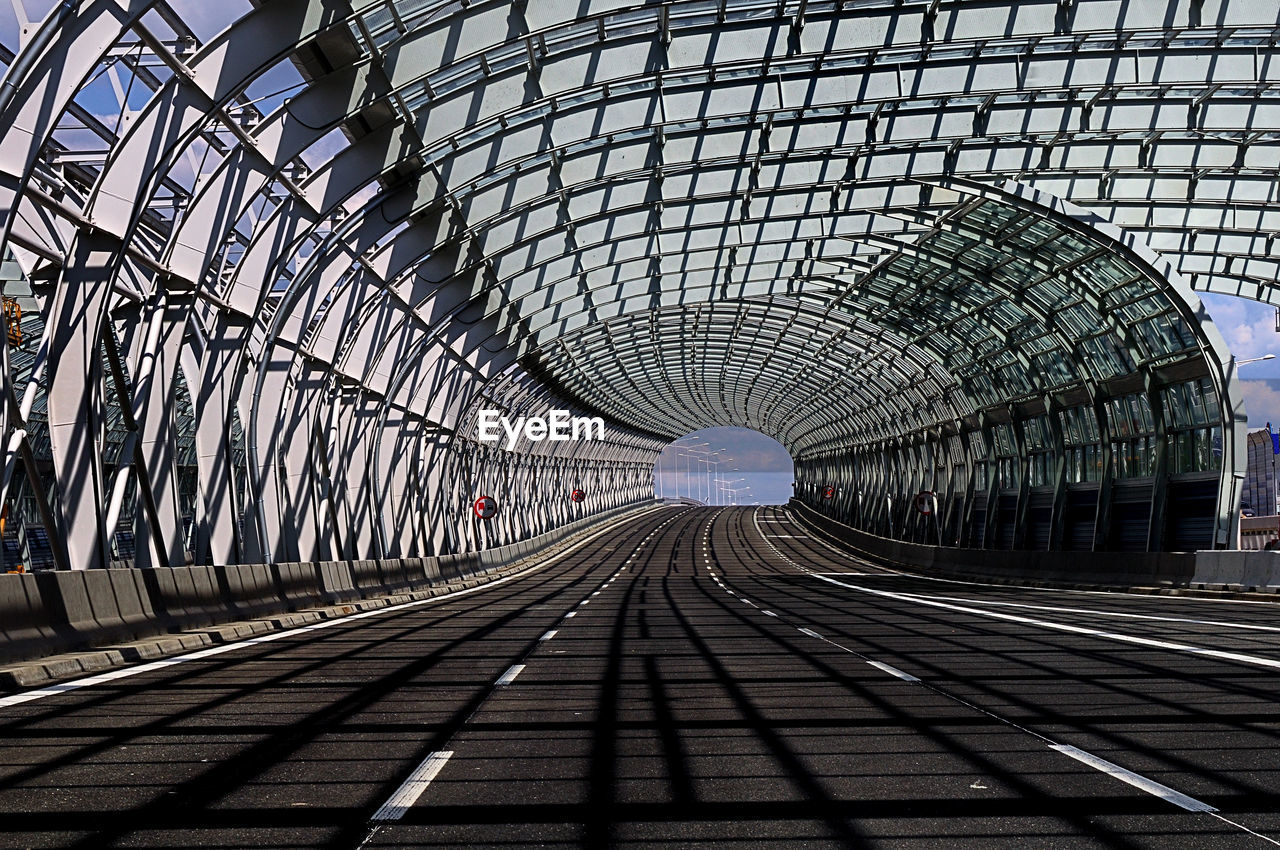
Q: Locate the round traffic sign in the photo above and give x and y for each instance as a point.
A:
(828, 492)
(926, 501)
(486, 507)
(578, 494)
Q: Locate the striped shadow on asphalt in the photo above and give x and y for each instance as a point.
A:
(408, 793)
(1139, 781)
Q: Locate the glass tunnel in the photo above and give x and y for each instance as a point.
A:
(271, 270)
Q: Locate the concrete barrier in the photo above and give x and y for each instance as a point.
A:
(365, 575)
(337, 582)
(416, 574)
(299, 584)
(1253, 569)
(52, 612)
(250, 589)
(71, 591)
(451, 567)
(114, 602)
(1070, 568)
(25, 622)
(393, 575)
(175, 600)
(131, 596)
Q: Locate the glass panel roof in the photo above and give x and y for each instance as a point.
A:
(993, 304)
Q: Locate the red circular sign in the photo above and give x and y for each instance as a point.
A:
(828, 492)
(486, 507)
(578, 494)
(925, 501)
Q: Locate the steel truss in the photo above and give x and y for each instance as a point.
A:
(275, 267)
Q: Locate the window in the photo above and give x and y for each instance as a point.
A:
(1133, 444)
(1042, 459)
(1191, 418)
(1083, 444)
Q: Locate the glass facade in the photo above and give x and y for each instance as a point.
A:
(279, 253)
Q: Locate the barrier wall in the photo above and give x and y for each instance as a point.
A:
(1237, 569)
(1213, 569)
(47, 613)
(1091, 568)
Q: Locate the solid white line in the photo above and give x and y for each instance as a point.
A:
(812, 633)
(893, 671)
(408, 793)
(209, 652)
(1064, 627)
(548, 636)
(1164, 792)
(1098, 613)
(510, 676)
(1137, 780)
(853, 575)
(1057, 591)
(1164, 599)
(788, 536)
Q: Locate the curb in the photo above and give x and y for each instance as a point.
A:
(41, 672)
(1192, 590)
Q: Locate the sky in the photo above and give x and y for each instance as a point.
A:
(205, 17)
(758, 467)
(1249, 328)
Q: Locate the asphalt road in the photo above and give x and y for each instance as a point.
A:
(701, 677)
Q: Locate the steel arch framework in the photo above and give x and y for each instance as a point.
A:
(275, 267)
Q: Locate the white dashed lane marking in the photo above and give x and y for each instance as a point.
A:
(1239, 657)
(408, 793)
(893, 671)
(1164, 792)
(510, 676)
(1149, 786)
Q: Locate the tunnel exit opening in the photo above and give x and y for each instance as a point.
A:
(724, 465)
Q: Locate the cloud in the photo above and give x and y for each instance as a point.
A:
(1261, 402)
(207, 19)
(751, 451)
(1249, 328)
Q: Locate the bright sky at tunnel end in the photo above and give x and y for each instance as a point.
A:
(748, 467)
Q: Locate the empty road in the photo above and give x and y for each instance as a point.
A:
(697, 677)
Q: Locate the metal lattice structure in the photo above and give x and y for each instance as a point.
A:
(274, 257)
